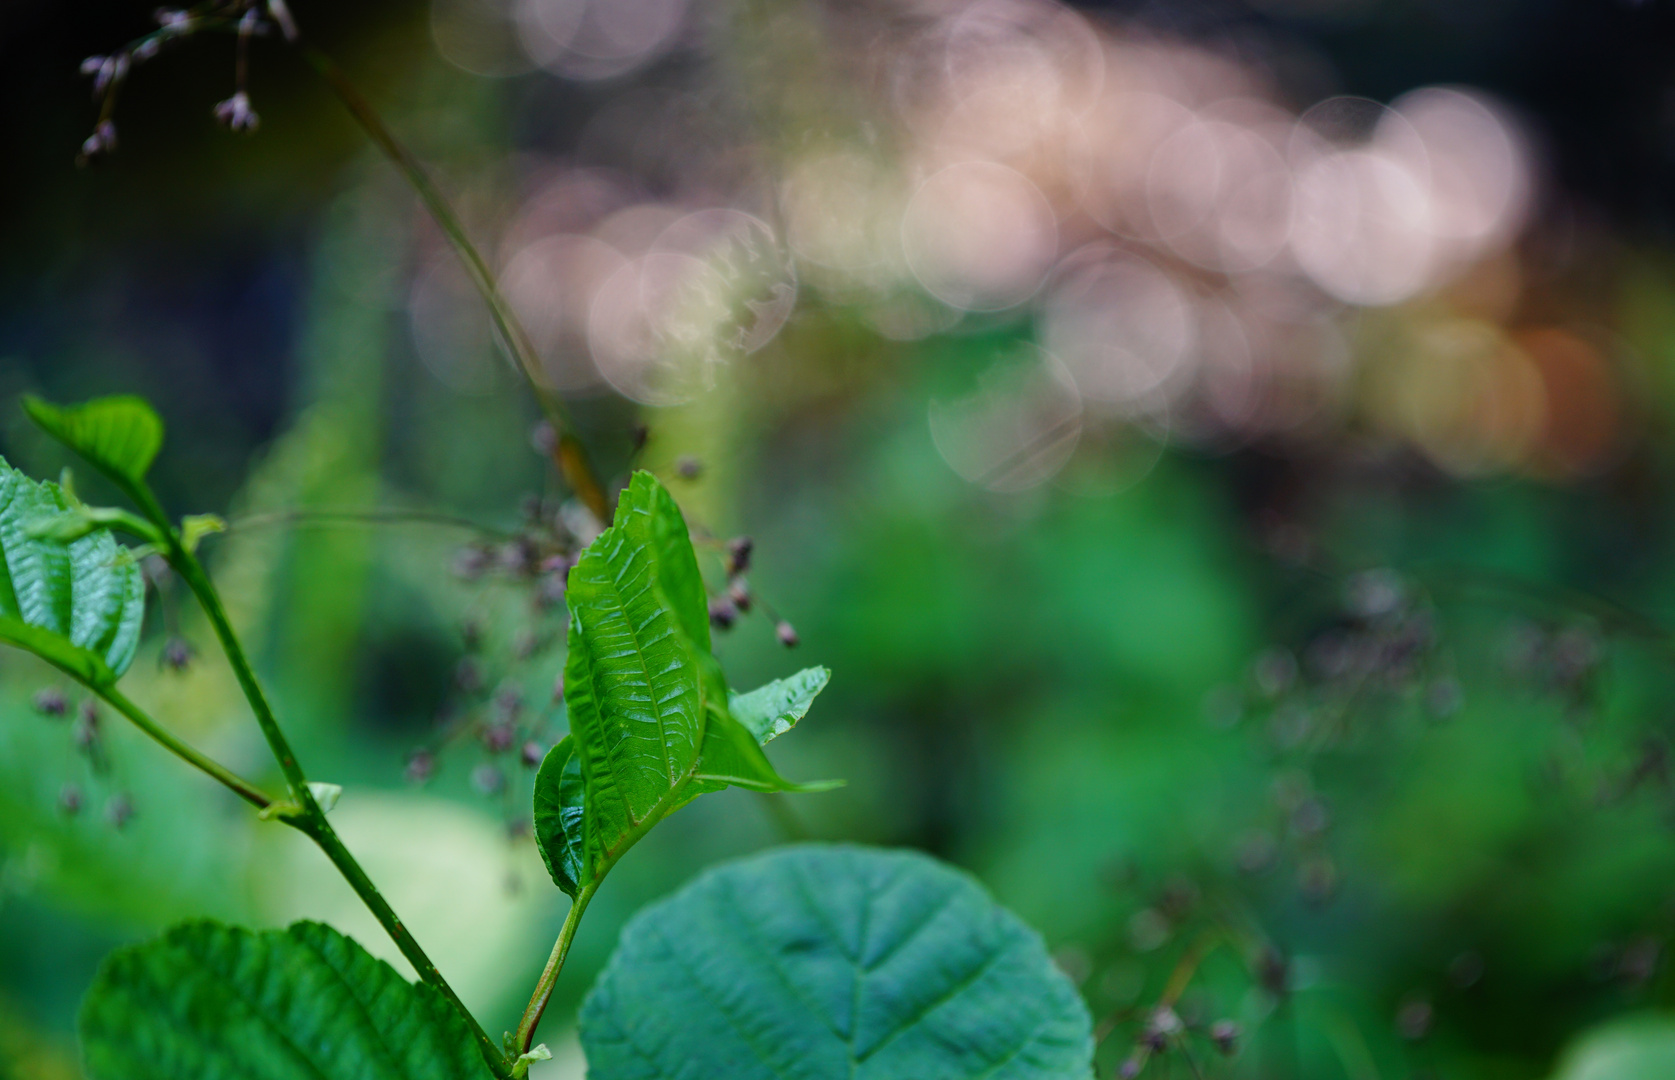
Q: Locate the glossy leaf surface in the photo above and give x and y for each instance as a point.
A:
(822, 962)
(76, 603)
(772, 710)
(119, 435)
(210, 1002)
(559, 810)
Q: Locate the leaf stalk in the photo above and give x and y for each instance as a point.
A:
(555, 964)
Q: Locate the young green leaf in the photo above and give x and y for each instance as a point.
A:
(650, 723)
(631, 682)
(772, 710)
(821, 961)
(76, 603)
(559, 810)
(211, 1002)
(119, 435)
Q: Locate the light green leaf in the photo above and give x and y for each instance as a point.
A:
(823, 962)
(120, 436)
(772, 710)
(76, 603)
(1638, 1048)
(210, 1002)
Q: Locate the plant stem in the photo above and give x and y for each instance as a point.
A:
(568, 453)
(555, 964)
(374, 516)
(245, 790)
(311, 820)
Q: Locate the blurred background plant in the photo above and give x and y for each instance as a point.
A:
(1221, 448)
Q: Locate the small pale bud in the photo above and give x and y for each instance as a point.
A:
(235, 113)
(69, 800)
(531, 754)
(689, 467)
(738, 553)
(488, 779)
(421, 766)
(739, 593)
(92, 65)
(1225, 1034)
(119, 810)
(722, 613)
(147, 49)
(787, 634)
(52, 702)
(281, 14)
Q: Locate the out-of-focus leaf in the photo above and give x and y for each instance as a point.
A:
(119, 435)
(822, 961)
(77, 604)
(210, 1002)
(1637, 1049)
(772, 710)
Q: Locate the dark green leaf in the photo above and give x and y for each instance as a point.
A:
(559, 812)
(119, 435)
(76, 603)
(210, 1002)
(833, 962)
(772, 710)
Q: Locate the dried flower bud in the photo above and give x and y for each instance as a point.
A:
(470, 562)
(235, 113)
(471, 634)
(722, 613)
(172, 18)
(787, 634)
(119, 809)
(146, 49)
(738, 554)
(497, 738)
(688, 467)
(177, 654)
(639, 436)
(544, 439)
(281, 14)
(488, 779)
(1225, 1034)
(421, 766)
(101, 142)
(92, 65)
(87, 725)
(739, 593)
(69, 800)
(51, 701)
(531, 754)
(107, 75)
(1413, 1020)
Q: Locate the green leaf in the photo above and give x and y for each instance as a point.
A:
(77, 603)
(119, 435)
(772, 710)
(1638, 1048)
(823, 962)
(631, 681)
(559, 811)
(650, 724)
(210, 1002)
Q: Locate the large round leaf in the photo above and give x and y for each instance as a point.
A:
(820, 962)
(211, 1002)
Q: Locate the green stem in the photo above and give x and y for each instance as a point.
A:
(245, 790)
(568, 453)
(555, 964)
(311, 820)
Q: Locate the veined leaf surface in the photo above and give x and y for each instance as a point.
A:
(119, 435)
(831, 963)
(78, 604)
(211, 1002)
(772, 710)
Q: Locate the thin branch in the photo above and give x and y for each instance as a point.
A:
(374, 516)
(245, 790)
(568, 453)
(555, 964)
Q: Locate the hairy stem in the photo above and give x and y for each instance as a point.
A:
(568, 453)
(555, 964)
(245, 790)
(311, 820)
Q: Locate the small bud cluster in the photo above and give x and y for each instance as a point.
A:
(87, 733)
(249, 18)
